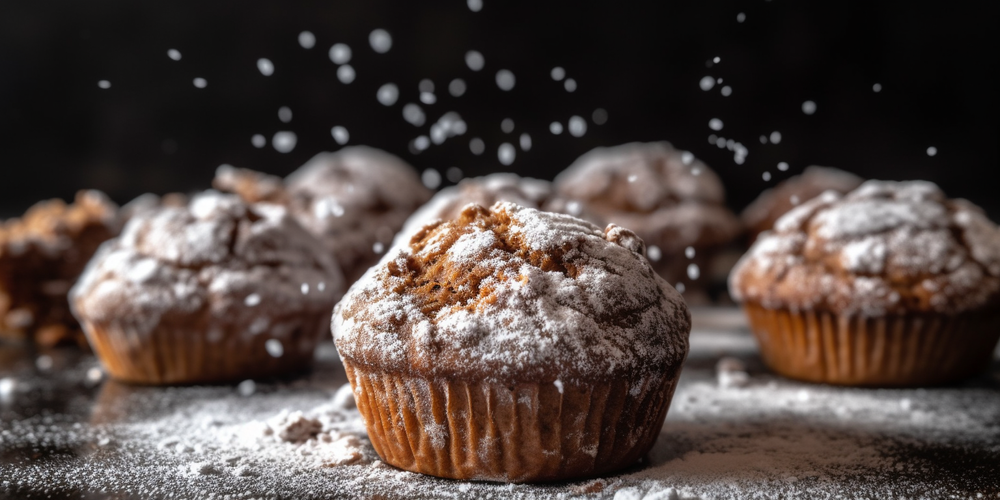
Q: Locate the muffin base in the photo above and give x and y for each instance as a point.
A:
(187, 355)
(525, 432)
(887, 351)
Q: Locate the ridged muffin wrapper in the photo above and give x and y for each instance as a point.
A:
(188, 353)
(525, 432)
(893, 350)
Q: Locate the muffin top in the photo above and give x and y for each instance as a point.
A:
(483, 191)
(884, 248)
(668, 197)
(230, 262)
(760, 215)
(512, 294)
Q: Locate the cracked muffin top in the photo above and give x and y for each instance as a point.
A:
(218, 259)
(512, 294)
(668, 197)
(884, 248)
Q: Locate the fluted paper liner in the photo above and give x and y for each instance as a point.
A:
(186, 354)
(525, 432)
(895, 350)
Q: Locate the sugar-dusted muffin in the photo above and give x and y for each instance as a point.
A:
(673, 201)
(892, 284)
(354, 200)
(41, 256)
(483, 191)
(218, 290)
(511, 344)
(760, 215)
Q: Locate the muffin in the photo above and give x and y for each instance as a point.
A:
(892, 284)
(760, 215)
(354, 200)
(483, 191)
(216, 291)
(511, 344)
(41, 255)
(673, 201)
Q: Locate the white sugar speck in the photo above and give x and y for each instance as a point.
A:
(387, 94)
(775, 137)
(794, 199)
(200, 83)
(741, 17)
(763, 139)
(716, 59)
(689, 252)
(340, 53)
(475, 5)
(558, 73)
(782, 166)
(44, 362)
(766, 176)
(570, 85)
(474, 60)
(525, 141)
(265, 66)
(931, 151)
(380, 40)
(321, 286)
(633, 178)
(252, 300)
(505, 80)
(274, 348)
(559, 385)
(507, 125)
(346, 74)
(7, 387)
(653, 253)
(809, 107)
(421, 143)
(95, 374)
(431, 178)
(877, 87)
(477, 146)
(285, 114)
(599, 116)
(715, 124)
(687, 157)
(693, 271)
(706, 83)
(506, 153)
(246, 388)
(174, 54)
(457, 87)
(802, 395)
(905, 404)
(340, 134)
(453, 174)
(304, 288)
(556, 128)
(258, 141)
(577, 126)
(428, 98)
(104, 84)
(307, 40)
(284, 141)
(680, 287)
(378, 247)
(414, 115)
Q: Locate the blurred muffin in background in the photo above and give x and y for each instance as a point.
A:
(41, 256)
(355, 200)
(672, 200)
(218, 290)
(483, 191)
(760, 215)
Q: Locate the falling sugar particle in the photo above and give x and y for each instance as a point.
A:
(693, 272)
(426, 85)
(307, 40)
(304, 288)
(285, 114)
(727, 91)
(340, 53)
(766, 176)
(95, 374)
(414, 115)
(706, 83)
(715, 124)
(558, 73)
(633, 178)
(176, 54)
(782, 166)
(43, 362)
(200, 83)
(763, 139)
(507, 125)
(428, 98)
(431, 178)
(345, 74)
(931, 151)
(505, 80)
(378, 247)
(718, 80)
(340, 134)
(274, 348)
(421, 143)
(252, 300)
(265, 66)
(877, 87)
(246, 388)
(716, 59)
(599, 116)
(680, 287)
(556, 128)
(720, 142)
(104, 84)
(525, 141)
(457, 87)
(477, 146)
(687, 157)
(321, 286)
(577, 126)
(258, 141)
(570, 85)
(284, 141)
(689, 252)
(474, 60)
(7, 388)
(775, 137)
(696, 171)
(741, 17)
(506, 153)
(387, 94)
(809, 107)
(653, 253)
(794, 199)
(453, 174)
(380, 40)
(475, 5)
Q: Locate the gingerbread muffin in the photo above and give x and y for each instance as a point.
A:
(892, 284)
(483, 191)
(354, 200)
(760, 215)
(41, 256)
(511, 344)
(673, 201)
(219, 290)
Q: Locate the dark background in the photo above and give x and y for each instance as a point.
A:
(642, 62)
